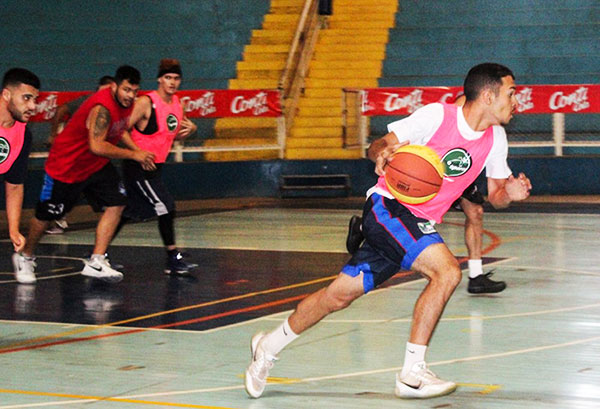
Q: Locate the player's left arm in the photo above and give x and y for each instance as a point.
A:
(14, 204)
(501, 192)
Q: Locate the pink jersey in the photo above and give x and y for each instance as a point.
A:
(168, 120)
(11, 143)
(463, 159)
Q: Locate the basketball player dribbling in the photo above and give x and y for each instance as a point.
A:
(471, 204)
(403, 237)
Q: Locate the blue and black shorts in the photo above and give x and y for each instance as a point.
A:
(394, 238)
(101, 190)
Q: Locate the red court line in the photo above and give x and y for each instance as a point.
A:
(162, 326)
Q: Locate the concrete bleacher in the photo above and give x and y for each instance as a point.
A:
(434, 43)
(69, 44)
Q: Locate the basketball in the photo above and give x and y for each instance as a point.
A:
(414, 174)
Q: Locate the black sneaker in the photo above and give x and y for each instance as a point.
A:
(482, 284)
(355, 236)
(177, 265)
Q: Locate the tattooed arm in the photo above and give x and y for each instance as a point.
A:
(98, 124)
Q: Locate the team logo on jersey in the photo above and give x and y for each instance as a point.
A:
(172, 122)
(4, 149)
(426, 228)
(457, 162)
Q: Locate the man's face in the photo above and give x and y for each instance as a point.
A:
(505, 101)
(21, 101)
(125, 93)
(169, 83)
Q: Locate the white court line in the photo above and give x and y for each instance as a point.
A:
(361, 373)
(552, 269)
(48, 277)
(324, 378)
(462, 318)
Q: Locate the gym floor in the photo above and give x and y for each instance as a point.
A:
(160, 341)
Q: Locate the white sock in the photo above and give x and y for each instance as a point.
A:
(475, 268)
(278, 339)
(414, 353)
(97, 256)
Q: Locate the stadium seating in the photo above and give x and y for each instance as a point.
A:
(542, 41)
(69, 44)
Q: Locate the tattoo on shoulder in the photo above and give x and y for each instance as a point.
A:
(102, 122)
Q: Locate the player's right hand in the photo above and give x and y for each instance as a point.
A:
(18, 241)
(384, 155)
(146, 159)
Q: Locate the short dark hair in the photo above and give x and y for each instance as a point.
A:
(105, 80)
(484, 75)
(17, 76)
(127, 72)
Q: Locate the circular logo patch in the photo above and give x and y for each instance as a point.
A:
(4, 149)
(172, 122)
(457, 162)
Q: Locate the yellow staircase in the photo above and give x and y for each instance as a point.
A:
(348, 54)
(263, 62)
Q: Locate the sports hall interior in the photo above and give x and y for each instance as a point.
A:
(268, 226)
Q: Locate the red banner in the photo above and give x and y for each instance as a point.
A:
(197, 103)
(532, 99)
(231, 103)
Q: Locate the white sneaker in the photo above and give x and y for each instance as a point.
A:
(62, 223)
(258, 370)
(24, 268)
(422, 383)
(100, 268)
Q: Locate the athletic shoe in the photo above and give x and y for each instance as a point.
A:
(24, 268)
(100, 268)
(421, 383)
(62, 223)
(258, 370)
(115, 266)
(482, 284)
(56, 229)
(355, 236)
(177, 265)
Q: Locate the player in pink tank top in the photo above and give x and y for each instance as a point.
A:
(471, 204)
(396, 238)
(20, 89)
(157, 120)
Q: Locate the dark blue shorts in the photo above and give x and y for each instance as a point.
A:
(394, 238)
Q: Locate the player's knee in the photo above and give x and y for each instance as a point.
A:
(448, 278)
(115, 210)
(338, 301)
(453, 278)
(474, 212)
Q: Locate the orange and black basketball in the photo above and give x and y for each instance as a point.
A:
(414, 174)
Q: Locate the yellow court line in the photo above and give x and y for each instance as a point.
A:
(158, 314)
(108, 399)
(485, 388)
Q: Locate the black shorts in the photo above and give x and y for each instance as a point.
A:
(472, 194)
(394, 238)
(147, 196)
(102, 189)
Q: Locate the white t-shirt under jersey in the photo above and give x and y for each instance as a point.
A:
(419, 127)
